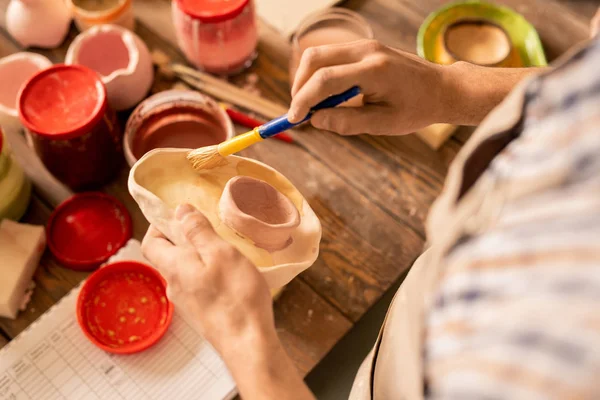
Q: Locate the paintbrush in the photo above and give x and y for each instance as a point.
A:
(213, 156)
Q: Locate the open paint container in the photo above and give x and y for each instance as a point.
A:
(122, 308)
(330, 26)
(480, 33)
(175, 119)
(88, 13)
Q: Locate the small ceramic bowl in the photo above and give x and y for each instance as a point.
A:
(92, 13)
(120, 57)
(175, 119)
(477, 41)
(256, 210)
(15, 70)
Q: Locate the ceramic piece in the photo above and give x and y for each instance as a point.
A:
(88, 13)
(478, 42)
(163, 179)
(256, 210)
(40, 23)
(526, 44)
(15, 70)
(120, 57)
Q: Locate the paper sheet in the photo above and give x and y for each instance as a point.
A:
(286, 15)
(52, 359)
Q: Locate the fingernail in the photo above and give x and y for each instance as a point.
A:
(291, 116)
(183, 210)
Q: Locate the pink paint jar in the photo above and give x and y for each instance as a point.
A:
(175, 118)
(218, 36)
(74, 132)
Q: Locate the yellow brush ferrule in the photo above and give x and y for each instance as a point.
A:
(239, 143)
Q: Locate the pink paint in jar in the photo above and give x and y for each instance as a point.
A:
(218, 36)
(65, 111)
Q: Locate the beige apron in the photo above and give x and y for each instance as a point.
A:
(394, 368)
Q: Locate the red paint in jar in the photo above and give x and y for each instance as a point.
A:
(175, 118)
(72, 128)
(218, 36)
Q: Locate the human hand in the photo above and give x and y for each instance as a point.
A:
(402, 92)
(595, 24)
(230, 303)
(221, 289)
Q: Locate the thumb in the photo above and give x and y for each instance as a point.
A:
(196, 227)
(371, 119)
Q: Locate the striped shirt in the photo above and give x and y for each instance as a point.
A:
(516, 313)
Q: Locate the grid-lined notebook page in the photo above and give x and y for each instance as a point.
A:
(52, 359)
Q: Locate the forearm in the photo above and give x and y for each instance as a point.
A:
(261, 368)
(470, 92)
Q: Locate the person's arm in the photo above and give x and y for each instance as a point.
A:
(230, 304)
(402, 92)
(471, 91)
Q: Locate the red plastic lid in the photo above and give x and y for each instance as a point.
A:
(88, 228)
(123, 308)
(62, 102)
(212, 10)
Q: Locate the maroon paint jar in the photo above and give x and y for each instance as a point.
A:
(74, 132)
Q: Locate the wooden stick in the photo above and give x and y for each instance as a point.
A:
(232, 98)
(264, 104)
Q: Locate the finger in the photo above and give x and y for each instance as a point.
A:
(371, 119)
(595, 24)
(324, 83)
(317, 57)
(158, 249)
(196, 227)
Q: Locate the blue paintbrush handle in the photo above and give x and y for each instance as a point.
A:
(281, 124)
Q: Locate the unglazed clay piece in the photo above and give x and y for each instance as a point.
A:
(15, 70)
(40, 23)
(163, 179)
(121, 59)
(259, 212)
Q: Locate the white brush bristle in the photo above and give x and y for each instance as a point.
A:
(205, 158)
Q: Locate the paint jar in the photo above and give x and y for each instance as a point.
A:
(175, 118)
(88, 13)
(70, 125)
(331, 26)
(15, 188)
(218, 36)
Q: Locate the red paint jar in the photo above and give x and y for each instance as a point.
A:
(218, 36)
(74, 132)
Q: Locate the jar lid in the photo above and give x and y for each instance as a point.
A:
(212, 10)
(88, 228)
(62, 102)
(122, 308)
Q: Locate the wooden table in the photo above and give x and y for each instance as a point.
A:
(372, 194)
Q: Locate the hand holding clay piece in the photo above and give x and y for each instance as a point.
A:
(248, 203)
(258, 211)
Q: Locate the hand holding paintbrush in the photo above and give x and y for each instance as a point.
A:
(213, 156)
